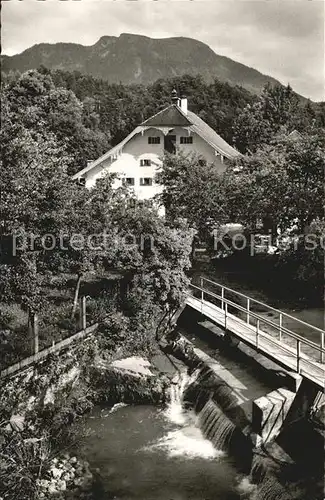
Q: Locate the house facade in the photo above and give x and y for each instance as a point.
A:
(137, 159)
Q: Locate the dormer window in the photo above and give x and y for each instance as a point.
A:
(82, 181)
(154, 140)
(145, 163)
(187, 140)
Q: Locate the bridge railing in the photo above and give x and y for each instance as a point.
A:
(245, 312)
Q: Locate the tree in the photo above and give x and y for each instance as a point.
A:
(42, 108)
(159, 280)
(37, 203)
(191, 190)
(277, 107)
(282, 181)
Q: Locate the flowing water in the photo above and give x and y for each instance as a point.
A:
(216, 427)
(146, 453)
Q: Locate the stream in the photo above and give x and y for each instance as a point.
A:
(147, 453)
(150, 453)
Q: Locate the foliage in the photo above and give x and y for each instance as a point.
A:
(36, 191)
(277, 108)
(21, 462)
(122, 107)
(191, 190)
(42, 108)
(282, 181)
(303, 261)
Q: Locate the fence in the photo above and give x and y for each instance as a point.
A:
(285, 328)
(38, 355)
(243, 314)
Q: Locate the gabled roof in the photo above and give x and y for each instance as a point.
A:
(209, 135)
(172, 116)
(111, 153)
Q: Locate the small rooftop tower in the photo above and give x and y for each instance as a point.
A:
(175, 98)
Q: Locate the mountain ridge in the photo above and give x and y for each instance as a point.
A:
(132, 59)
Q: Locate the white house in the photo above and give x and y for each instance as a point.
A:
(137, 158)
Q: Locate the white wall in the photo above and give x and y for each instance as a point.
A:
(199, 147)
(128, 162)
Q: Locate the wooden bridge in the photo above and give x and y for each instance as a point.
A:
(264, 328)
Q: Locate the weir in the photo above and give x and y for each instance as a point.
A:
(238, 325)
(241, 417)
(224, 435)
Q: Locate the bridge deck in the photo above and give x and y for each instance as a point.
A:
(280, 352)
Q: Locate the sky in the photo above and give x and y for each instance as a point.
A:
(281, 38)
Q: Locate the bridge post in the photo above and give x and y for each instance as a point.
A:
(201, 286)
(257, 331)
(298, 355)
(222, 297)
(226, 313)
(322, 344)
(248, 309)
(280, 325)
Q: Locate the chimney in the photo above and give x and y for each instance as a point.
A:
(175, 98)
(184, 105)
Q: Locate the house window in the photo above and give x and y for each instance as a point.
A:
(154, 140)
(187, 140)
(145, 163)
(82, 181)
(146, 181)
(128, 181)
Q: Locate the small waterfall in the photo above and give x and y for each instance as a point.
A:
(187, 439)
(225, 436)
(209, 385)
(265, 475)
(260, 469)
(207, 418)
(175, 411)
(215, 425)
(222, 432)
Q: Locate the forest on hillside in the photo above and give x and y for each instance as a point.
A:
(99, 115)
(53, 122)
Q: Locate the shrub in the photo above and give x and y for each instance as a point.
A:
(21, 463)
